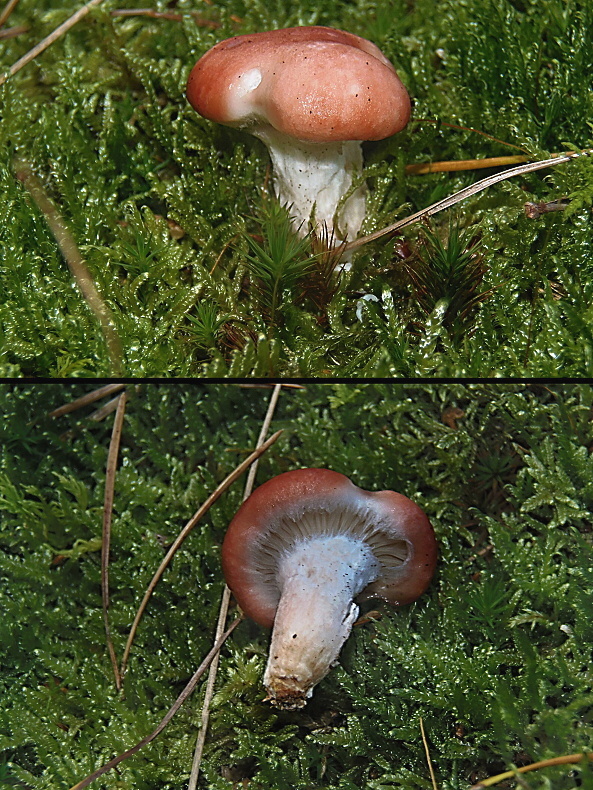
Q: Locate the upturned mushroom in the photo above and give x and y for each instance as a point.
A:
(298, 553)
(311, 94)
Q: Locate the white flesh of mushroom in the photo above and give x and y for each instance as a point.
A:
(318, 580)
(312, 178)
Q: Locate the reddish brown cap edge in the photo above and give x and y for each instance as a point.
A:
(289, 487)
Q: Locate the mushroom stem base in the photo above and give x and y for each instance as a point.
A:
(319, 580)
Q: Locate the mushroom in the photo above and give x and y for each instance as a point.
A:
(312, 94)
(298, 552)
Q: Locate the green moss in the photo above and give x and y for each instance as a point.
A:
(495, 657)
(160, 200)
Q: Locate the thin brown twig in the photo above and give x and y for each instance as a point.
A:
(168, 716)
(84, 400)
(107, 514)
(428, 760)
(237, 472)
(48, 40)
(462, 194)
(7, 10)
(75, 261)
(224, 608)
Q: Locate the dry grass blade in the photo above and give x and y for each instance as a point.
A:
(564, 760)
(184, 533)
(169, 715)
(224, 608)
(84, 400)
(75, 262)
(457, 197)
(428, 760)
(107, 514)
(48, 40)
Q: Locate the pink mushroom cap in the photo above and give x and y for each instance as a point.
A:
(314, 84)
(310, 503)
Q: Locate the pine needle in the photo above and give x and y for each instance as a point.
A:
(107, 514)
(462, 194)
(463, 164)
(104, 411)
(454, 165)
(48, 40)
(75, 261)
(151, 12)
(169, 715)
(428, 760)
(7, 10)
(84, 400)
(224, 607)
(13, 32)
(564, 760)
(468, 129)
(208, 694)
(202, 510)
